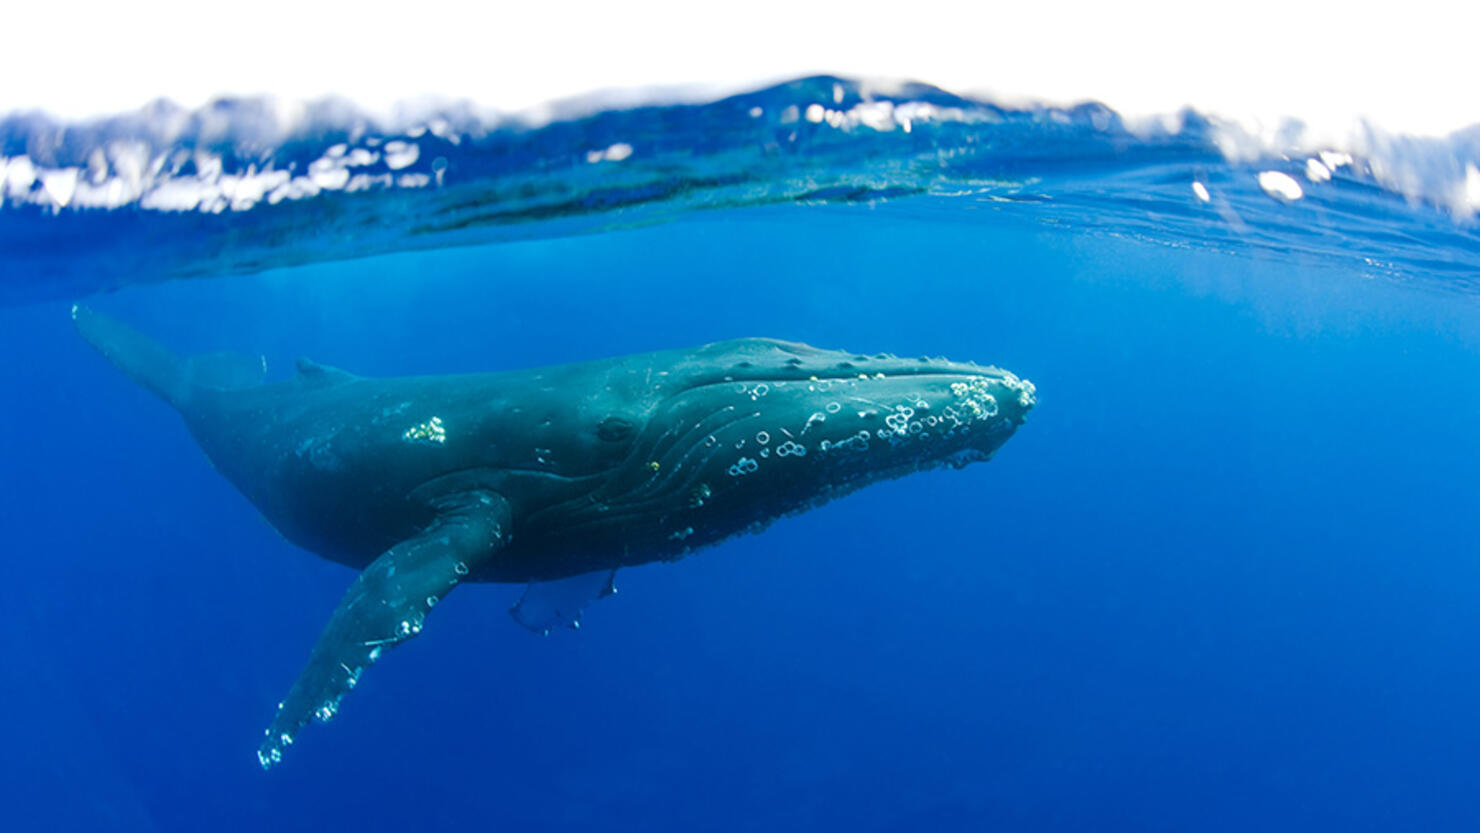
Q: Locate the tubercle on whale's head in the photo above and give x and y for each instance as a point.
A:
(782, 426)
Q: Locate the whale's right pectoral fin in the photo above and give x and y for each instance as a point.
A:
(386, 605)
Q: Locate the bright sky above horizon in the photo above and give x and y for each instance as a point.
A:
(1406, 67)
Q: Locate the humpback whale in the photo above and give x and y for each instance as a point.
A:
(554, 476)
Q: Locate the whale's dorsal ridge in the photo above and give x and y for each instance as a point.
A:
(312, 373)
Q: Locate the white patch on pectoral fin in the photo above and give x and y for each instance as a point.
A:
(546, 605)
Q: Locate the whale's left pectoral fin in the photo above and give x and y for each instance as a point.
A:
(546, 605)
(386, 605)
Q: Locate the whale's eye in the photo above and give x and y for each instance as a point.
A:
(614, 429)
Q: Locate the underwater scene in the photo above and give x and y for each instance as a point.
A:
(1168, 433)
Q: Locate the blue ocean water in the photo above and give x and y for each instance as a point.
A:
(1224, 579)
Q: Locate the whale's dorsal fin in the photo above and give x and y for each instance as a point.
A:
(313, 374)
(387, 605)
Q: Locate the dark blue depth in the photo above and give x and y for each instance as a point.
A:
(1225, 578)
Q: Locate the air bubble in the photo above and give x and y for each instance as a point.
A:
(762, 437)
(697, 497)
(791, 449)
(833, 407)
(743, 466)
(898, 423)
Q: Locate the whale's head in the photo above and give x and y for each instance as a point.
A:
(720, 440)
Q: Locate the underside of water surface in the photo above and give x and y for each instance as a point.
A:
(247, 185)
